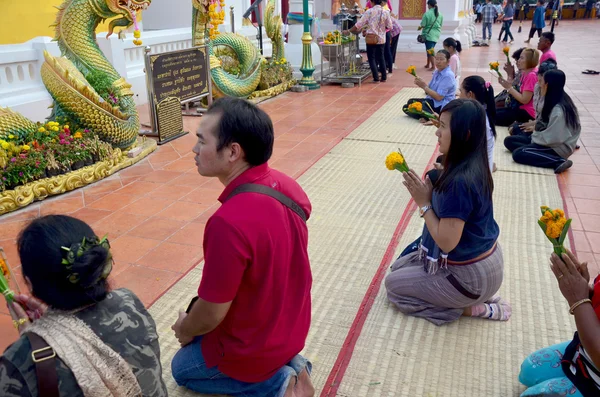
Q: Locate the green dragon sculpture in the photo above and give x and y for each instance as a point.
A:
(246, 83)
(68, 81)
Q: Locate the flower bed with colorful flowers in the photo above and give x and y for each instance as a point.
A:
(57, 147)
(274, 72)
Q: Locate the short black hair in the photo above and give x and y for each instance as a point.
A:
(550, 36)
(377, 2)
(549, 64)
(41, 255)
(248, 125)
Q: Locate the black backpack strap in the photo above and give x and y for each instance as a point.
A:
(267, 191)
(44, 358)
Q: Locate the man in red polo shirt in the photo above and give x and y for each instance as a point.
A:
(243, 335)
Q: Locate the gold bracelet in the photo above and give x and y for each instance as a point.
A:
(577, 304)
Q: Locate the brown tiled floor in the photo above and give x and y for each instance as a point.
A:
(155, 211)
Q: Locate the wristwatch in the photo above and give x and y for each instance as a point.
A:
(423, 210)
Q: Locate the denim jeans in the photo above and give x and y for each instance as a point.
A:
(487, 26)
(377, 59)
(507, 32)
(189, 370)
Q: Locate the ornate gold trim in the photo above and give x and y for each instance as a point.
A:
(273, 91)
(24, 195)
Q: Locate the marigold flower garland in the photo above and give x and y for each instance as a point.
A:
(216, 13)
(4, 277)
(555, 225)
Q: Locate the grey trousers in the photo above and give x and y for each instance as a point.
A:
(434, 297)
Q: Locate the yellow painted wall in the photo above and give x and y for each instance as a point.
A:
(22, 20)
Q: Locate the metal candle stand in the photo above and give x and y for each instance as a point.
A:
(347, 63)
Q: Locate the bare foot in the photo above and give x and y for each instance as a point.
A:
(289, 392)
(304, 386)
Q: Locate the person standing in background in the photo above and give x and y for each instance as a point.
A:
(489, 15)
(575, 9)
(538, 23)
(395, 33)
(431, 25)
(507, 19)
(377, 21)
(589, 6)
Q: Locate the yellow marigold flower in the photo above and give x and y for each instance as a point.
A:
(547, 217)
(137, 34)
(25, 147)
(4, 268)
(11, 136)
(494, 65)
(55, 129)
(553, 230)
(41, 129)
(559, 212)
(77, 135)
(393, 159)
(506, 50)
(5, 145)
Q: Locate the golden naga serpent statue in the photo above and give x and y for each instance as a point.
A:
(249, 57)
(66, 77)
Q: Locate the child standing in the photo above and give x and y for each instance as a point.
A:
(454, 48)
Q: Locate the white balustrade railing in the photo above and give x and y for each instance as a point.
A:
(22, 89)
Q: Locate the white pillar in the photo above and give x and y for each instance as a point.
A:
(458, 23)
(168, 14)
(293, 48)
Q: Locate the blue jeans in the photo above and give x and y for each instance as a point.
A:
(429, 45)
(487, 26)
(542, 373)
(189, 370)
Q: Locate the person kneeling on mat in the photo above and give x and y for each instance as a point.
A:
(554, 139)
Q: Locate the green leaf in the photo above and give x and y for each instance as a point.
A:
(563, 235)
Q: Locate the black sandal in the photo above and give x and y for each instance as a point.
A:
(589, 71)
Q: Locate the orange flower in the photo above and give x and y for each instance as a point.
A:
(4, 268)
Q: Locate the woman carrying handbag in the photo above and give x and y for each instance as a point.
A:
(431, 24)
(377, 21)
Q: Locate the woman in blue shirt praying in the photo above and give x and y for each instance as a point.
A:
(458, 266)
(441, 89)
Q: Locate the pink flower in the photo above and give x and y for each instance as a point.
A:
(13, 160)
(22, 155)
(37, 163)
(63, 142)
(20, 174)
(86, 130)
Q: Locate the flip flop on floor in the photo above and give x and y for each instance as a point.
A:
(589, 71)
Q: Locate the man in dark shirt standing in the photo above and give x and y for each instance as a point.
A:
(243, 335)
(589, 6)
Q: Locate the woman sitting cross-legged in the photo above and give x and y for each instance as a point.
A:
(571, 368)
(441, 89)
(520, 108)
(538, 102)
(555, 136)
(105, 341)
(458, 266)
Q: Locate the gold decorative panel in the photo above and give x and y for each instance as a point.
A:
(412, 9)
